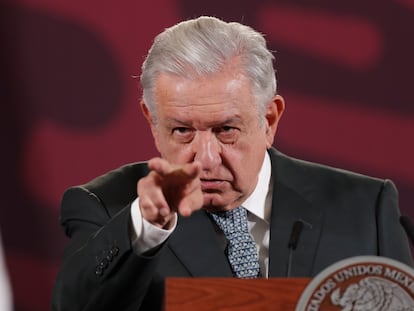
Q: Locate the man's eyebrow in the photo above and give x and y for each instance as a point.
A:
(231, 120)
(174, 121)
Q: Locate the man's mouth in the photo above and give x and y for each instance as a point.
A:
(210, 184)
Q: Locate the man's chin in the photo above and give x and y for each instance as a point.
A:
(216, 203)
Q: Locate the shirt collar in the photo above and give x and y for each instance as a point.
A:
(256, 202)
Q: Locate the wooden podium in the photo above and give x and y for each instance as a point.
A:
(219, 294)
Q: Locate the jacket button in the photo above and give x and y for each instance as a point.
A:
(104, 263)
(99, 270)
(114, 251)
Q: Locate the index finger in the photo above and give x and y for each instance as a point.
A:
(192, 170)
(164, 168)
(160, 166)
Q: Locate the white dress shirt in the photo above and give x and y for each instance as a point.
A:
(5, 288)
(145, 236)
(259, 205)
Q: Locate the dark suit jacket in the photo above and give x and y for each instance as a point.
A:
(348, 215)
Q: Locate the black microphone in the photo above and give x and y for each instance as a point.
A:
(408, 227)
(293, 242)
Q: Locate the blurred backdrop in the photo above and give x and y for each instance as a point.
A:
(69, 101)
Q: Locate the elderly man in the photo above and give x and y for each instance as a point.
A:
(220, 200)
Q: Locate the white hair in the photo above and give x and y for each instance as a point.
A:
(203, 46)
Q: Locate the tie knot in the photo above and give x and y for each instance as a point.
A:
(232, 221)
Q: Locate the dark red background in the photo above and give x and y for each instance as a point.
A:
(69, 101)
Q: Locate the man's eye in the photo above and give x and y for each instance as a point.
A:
(183, 134)
(225, 129)
(181, 130)
(227, 134)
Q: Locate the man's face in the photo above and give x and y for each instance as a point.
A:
(214, 120)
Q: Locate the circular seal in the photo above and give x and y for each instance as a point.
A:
(363, 283)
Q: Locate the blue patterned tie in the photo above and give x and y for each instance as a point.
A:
(241, 250)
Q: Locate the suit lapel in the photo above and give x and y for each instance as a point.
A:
(290, 204)
(288, 207)
(197, 245)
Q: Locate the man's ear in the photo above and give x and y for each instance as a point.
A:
(148, 116)
(146, 112)
(273, 115)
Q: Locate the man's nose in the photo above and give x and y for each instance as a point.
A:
(207, 150)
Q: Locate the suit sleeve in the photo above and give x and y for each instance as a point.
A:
(99, 271)
(392, 240)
